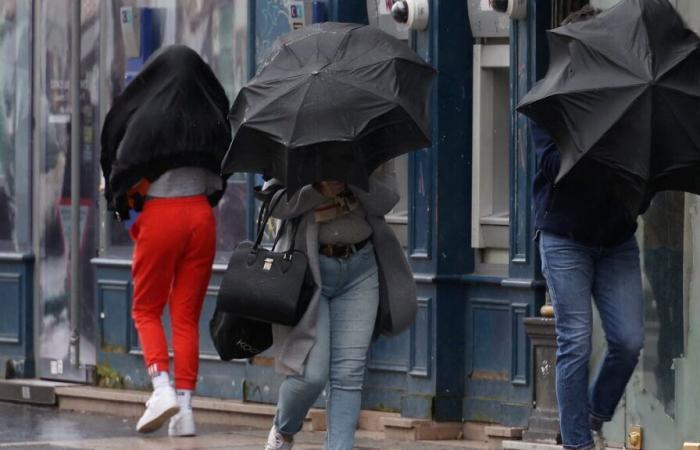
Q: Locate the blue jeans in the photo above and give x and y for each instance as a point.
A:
(575, 272)
(347, 312)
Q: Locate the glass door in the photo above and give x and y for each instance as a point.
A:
(53, 211)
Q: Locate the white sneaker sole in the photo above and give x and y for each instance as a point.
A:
(157, 422)
(192, 434)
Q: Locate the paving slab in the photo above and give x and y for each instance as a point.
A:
(26, 427)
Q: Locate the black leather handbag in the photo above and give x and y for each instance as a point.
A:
(267, 285)
(238, 337)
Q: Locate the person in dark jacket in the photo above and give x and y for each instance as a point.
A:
(162, 146)
(588, 249)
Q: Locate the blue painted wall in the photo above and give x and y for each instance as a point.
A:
(16, 316)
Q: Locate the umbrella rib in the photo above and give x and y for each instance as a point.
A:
(596, 51)
(583, 91)
(388, 59)
(681, 91)
(390, 100)
(383, 61)
(275, 80)
(272, 100)
(613, 123)
(682, 123)
(301, 104)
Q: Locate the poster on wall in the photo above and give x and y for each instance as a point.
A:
(300, 14)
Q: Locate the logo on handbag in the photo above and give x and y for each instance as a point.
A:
(267, 264)
(247, 347)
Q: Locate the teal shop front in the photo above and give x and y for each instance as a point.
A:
(464, 218)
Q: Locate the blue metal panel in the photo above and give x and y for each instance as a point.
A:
(527, 64)
(391, 354)
(354, 11)
(519, 372)
(11, 303)
(16, 316)
(113, 297)
(439, 195)
(497, 388)
(490, 339)
(420, 175)
(421, 338)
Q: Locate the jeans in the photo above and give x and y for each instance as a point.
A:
(346, 316)
(612, 276)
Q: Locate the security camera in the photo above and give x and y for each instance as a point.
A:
(516, 9)
(412, 13)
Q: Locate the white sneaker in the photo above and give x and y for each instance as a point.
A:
(159, 408)
(275, 441)
(182, 424)
(599, 440)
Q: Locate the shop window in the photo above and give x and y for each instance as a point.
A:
(15, 124)
(490, 153)
(218, 31)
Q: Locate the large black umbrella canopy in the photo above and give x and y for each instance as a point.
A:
(333, 101)
(623, 89)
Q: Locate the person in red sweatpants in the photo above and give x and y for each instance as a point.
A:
(162, 145)
(174, 250)
(175, 242)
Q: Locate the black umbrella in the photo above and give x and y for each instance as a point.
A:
(623, 89)
(332, 102)
(173, 113)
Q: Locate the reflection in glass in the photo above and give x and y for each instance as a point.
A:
(54, 177)
(662, 254)
(217, 30)
(15, 150)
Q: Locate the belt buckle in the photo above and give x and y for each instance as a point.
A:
(327, 250)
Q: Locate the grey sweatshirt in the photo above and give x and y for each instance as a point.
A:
(185, 182)
(350, 228)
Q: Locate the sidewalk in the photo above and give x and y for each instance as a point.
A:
(26, 427)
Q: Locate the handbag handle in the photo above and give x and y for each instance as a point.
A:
(295, 223)
(263, 218)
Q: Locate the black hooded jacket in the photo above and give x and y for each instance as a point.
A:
(173, 114)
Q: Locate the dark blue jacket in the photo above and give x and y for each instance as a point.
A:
(581, 206)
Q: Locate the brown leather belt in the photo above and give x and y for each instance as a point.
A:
(341, 250)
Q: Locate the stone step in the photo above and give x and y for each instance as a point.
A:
(520, 445)
(130, 403)
(31, 391)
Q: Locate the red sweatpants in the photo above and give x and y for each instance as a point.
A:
(175, 242)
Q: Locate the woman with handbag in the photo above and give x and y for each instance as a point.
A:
(162, 145)
(364, 288)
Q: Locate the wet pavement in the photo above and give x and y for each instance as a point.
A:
(27, 427)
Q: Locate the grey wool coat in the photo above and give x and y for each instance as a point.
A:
(397, 289)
